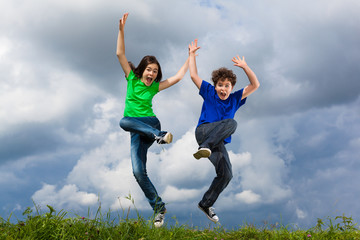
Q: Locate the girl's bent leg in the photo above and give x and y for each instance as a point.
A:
(145, 126)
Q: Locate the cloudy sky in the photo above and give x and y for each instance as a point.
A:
(295, 153)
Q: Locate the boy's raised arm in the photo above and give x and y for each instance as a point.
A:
(176, 78)
(120, 48)
(192, 64)
(254, 82)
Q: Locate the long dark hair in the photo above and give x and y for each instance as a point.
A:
(139, 70)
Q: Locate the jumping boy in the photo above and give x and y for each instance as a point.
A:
(216, 123)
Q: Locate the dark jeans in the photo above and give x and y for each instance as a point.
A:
(143, 131)
(212, 135)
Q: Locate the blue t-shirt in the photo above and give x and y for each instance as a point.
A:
(214, 109)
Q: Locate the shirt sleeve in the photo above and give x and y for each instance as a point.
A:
(205, 89)
(131, 76)
(238, 95)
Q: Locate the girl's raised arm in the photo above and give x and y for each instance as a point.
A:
(120, 49)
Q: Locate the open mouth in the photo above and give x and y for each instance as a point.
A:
(148, 80)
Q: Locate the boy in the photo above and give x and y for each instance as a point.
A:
(216, 122)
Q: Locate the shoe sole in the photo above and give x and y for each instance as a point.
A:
(168, 138)
(202, 153)
(158, 224)
(213, 220)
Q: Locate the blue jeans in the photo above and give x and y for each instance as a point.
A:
(212, 135)
(143, 131)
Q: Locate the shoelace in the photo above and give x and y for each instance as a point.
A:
(159, 217)
(211, 211)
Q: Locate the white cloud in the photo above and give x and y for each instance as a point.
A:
(68, 196)
(61, 65)
(240, 160)
(107, 170)
(266, 172)
(5, 47)
(106, 113)
(300, 213)
(173, 194)
(33, 93)
(104, 172)
(248, 197)
(178, 167)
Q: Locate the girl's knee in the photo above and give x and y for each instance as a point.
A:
(124, 123)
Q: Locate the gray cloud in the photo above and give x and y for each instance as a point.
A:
(62, 94)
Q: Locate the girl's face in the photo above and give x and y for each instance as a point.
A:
(223, 89)
(150, 74)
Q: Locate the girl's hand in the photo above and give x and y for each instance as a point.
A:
(193, 47)
(122, 22)
(239, 62)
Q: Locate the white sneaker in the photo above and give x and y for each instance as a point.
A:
(202, 153)
(159, 220)
(167, 138)
(211, 215)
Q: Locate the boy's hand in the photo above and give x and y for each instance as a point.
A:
(193, 47)
(122, 22)
(239, 62)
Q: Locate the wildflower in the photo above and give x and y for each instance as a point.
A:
(309, 235)
(83, 218)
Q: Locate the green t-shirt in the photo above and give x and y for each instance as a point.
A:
(138, 102)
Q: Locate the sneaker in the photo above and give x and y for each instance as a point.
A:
(159, 220)
(166, 138)
(209, 213)
(202, 153)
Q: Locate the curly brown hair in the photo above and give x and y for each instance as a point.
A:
(222, 74)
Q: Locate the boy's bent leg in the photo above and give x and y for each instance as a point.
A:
(220, 159)
(210, 135)
(202, 153)
(139, 148)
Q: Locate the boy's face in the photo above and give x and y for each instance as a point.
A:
(223, 89)
(150, 74)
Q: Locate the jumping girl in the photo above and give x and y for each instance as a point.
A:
(143, 82)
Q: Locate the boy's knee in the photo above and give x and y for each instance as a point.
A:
(232, 123)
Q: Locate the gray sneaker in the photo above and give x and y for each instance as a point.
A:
(202, 153)
(166, 138)
(209, 212)
(159, 220)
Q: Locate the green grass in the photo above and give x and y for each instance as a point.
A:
(59, 225)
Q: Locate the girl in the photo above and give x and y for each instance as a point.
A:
(143, 83)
